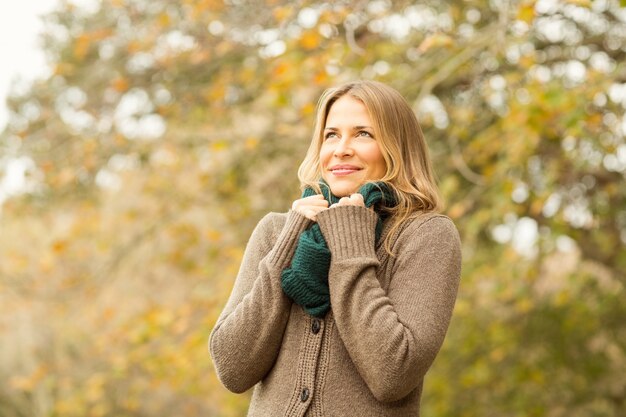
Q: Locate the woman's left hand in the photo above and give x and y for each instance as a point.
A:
(355, 199)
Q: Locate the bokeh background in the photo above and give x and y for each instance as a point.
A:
(165, 130)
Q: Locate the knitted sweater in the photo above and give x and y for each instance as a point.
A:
(369, 354)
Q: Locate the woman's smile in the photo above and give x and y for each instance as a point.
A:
(343, 169)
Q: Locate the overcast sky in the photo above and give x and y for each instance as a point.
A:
(19, 52)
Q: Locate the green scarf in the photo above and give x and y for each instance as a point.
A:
(305, 281)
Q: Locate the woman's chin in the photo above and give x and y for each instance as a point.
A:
(343, 190)
(343, 186)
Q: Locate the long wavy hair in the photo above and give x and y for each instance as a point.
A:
(408, 167)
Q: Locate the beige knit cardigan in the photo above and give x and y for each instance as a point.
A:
(368, 356)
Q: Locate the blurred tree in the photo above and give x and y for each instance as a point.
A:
(146, 147)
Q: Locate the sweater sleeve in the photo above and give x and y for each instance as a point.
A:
(248, 334)
(392, 336)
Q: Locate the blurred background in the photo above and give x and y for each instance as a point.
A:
(135, 163)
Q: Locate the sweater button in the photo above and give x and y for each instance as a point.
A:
(304, 395)
(315, 326)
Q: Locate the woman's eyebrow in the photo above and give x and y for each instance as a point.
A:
(353, 128)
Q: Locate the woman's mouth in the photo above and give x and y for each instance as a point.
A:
(341, 171)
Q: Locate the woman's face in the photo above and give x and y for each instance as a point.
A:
(350, 154)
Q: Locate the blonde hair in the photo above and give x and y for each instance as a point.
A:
(408, 168)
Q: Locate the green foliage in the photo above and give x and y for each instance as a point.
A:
(161, 121)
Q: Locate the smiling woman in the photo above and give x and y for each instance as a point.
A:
(341, 305)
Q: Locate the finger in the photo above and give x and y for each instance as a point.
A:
(319, 209)
(357, 199)
(344, 200)
(322, 203)
(313, 197)
(304, 205)
(314, 211)
(311, 200)
(309, 211)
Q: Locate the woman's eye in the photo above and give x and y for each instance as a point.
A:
(330, 135)
(364, 133)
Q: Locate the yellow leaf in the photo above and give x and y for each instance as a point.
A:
(526, 12)
(100, 34)
(251, 143)
(580, 3)
(164, 20)
(310, 40)
(219, 146)
(457, 210)
(497, 354)
(562, 298)
(523, 305)
(216, 93)
(81, 47)
(282, 13)
(199, 56)
(536, 207)
(436, 40)
(28, 383)
(108, 313)
(95, 388)
(133, 46)
(46, 262)
(321, 78)
(59, 246)
(307, 109)
(203, 6)
(281, 69)
(214, 235)
(21, 383)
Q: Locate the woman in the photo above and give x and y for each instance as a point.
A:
(341, 304)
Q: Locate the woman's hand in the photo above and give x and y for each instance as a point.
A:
(309, 207)
(355, 199)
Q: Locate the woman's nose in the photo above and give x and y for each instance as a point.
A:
(343, 148)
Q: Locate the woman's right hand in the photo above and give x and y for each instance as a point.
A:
(310, 206)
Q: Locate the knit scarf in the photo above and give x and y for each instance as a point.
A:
(305, 281)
